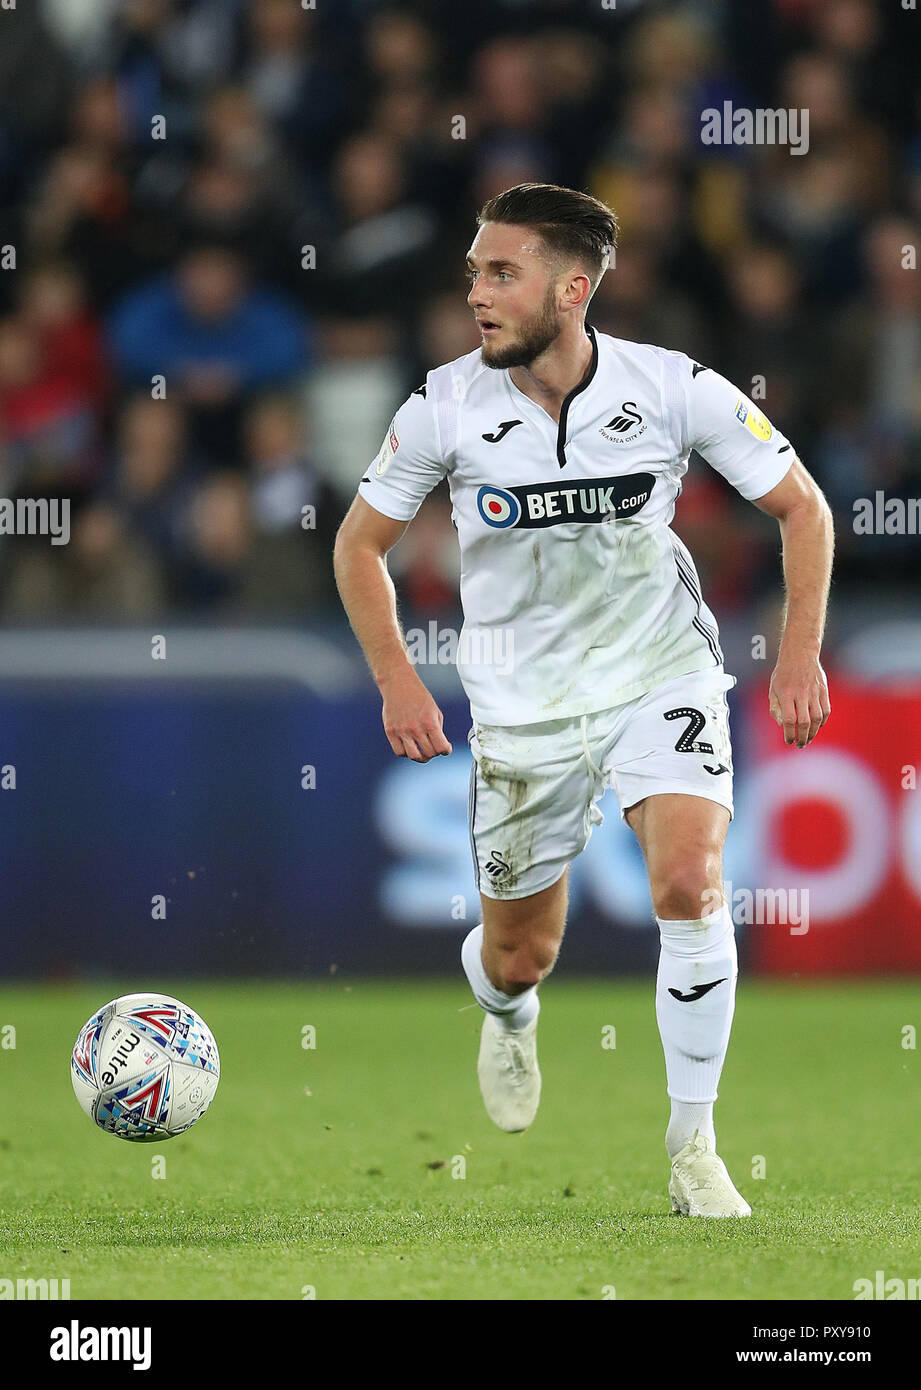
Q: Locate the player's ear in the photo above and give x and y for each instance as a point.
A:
(579, 289)
(578, 284)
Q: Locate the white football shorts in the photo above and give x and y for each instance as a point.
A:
(535, 788)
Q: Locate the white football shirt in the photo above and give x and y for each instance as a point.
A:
(576, 593)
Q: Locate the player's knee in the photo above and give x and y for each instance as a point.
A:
(687, 890)
(525, 966)
(520, 975)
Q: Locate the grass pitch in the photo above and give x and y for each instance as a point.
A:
(366, 1168)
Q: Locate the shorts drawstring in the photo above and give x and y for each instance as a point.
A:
(593, 770)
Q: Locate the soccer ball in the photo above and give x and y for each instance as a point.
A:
(145, 1067)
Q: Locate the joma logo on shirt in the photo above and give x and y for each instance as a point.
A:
(582, 500)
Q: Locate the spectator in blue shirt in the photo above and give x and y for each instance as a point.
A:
(214, 337)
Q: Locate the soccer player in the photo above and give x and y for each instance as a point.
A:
(564, 450)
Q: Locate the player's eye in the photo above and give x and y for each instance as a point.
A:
(472, 274)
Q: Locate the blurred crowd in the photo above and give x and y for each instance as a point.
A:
(238, 231)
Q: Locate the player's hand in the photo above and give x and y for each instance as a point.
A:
(413, 722)
(798, 698)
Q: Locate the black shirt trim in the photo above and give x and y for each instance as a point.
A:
(576, 390)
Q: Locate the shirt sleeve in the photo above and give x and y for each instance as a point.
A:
(409, 464)
(731, 433)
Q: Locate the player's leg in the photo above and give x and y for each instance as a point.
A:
(669, 758)
(505, 958)
(682, 841)
(520, 941)
(531, 812)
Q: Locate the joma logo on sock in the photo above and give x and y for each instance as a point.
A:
(697, 991)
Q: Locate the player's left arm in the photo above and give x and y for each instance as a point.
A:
(798, 694)
(736, 439)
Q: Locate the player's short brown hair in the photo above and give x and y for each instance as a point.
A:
(568, 222)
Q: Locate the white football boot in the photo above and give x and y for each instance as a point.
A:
(699, 1184)
(509, 1075)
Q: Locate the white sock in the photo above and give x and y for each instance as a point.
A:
(513, 1011)
(695, 1031)
(686, 1120)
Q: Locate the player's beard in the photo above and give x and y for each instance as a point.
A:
(535, 335)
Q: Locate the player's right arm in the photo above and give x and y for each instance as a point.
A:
(407, 468)
(412, 720)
